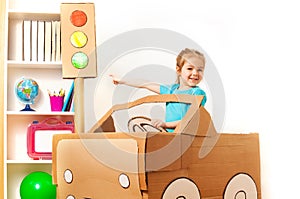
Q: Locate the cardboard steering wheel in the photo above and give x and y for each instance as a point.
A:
(142, 124)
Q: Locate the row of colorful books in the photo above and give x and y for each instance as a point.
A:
(40, 41)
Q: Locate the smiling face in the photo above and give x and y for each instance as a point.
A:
(191, 73)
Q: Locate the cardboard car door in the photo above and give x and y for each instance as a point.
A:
(98, 168)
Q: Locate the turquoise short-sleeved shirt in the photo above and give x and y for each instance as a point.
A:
(175, 110)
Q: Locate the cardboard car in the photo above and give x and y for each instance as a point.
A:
(193, 162)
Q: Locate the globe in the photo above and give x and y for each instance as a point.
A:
(26, 91)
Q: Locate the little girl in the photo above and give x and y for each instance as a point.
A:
(190, 69)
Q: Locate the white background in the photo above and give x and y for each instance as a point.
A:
(255, 47)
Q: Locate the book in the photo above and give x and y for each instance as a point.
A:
(41, 41)
(69, 98)
(70, 101)
(27, 40)
(48, 33)
(34, 31)
(72, 109)
(53, 41)
(15, 39)
(58, 45)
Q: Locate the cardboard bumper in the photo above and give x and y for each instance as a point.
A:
(193, 162)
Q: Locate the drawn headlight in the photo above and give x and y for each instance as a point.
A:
(124, 180)
(68, 176)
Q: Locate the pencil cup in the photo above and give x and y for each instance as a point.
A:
(56, 103)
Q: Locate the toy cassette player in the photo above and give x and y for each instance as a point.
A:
(39, 136)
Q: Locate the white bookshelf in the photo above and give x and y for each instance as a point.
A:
(48, 75)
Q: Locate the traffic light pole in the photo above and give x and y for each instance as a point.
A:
(79, 104)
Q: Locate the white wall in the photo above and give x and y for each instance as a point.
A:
(255, 47)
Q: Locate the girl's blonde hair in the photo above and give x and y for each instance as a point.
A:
(182, 58)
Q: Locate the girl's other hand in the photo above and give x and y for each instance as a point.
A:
(158, 123)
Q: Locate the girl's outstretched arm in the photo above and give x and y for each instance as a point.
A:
(137, 83)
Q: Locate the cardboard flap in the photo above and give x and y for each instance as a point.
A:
(106, 122)
(197, 123)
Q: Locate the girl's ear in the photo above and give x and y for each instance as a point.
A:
(178, 70)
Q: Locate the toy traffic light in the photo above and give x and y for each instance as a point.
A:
(78, 40)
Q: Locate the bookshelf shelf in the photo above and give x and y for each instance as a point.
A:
(48, 75)
(34, 65)
(28, 162)
(23, 113)
(27, 15)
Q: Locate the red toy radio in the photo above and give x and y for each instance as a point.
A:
(39, 136)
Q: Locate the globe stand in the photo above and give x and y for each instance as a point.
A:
(27, 108)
